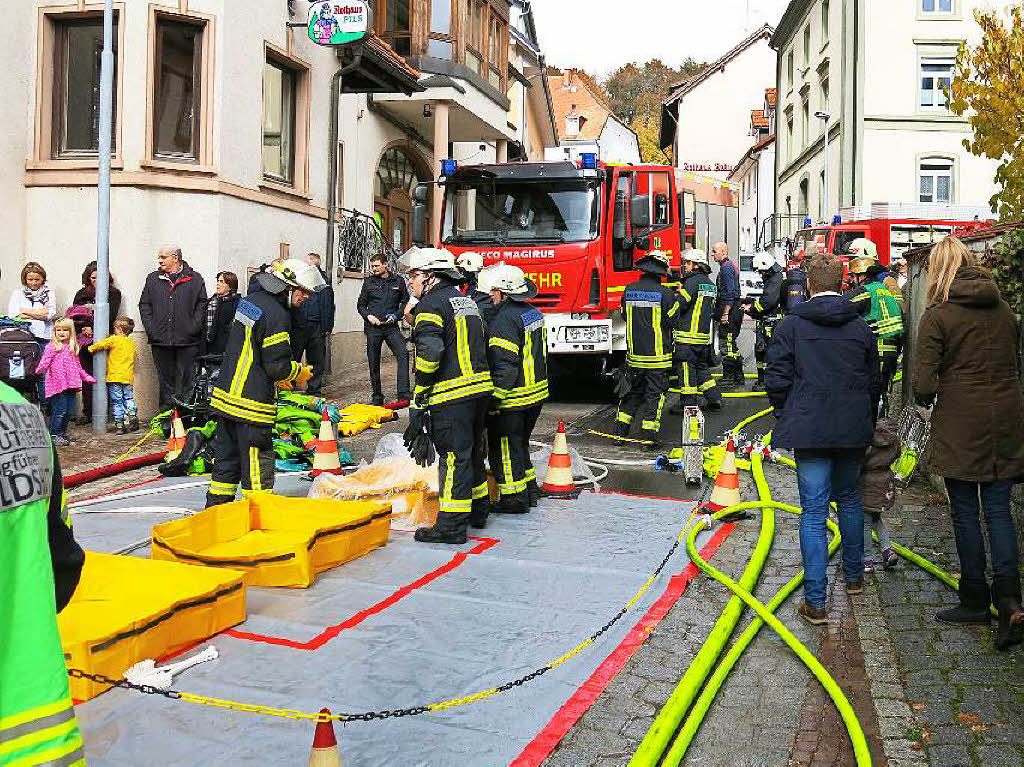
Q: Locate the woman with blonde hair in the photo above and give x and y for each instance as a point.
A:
(967, 368)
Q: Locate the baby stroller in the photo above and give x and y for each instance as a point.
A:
(19, 357)
(195, 408)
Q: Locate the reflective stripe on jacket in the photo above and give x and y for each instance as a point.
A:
(451, 351)
(258, 355)
(696, 309)
(650, 310)
(879, 308)
(517, 353)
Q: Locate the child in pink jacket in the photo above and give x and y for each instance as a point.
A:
(64, 378)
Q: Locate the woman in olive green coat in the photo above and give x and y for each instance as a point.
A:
(967, 367)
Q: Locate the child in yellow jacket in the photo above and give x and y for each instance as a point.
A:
(121, 374)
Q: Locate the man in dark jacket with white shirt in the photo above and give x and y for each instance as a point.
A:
(823, 379)
(173, 311)
(381, 304)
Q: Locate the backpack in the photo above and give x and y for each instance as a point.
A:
(19, 355)
(794, 291)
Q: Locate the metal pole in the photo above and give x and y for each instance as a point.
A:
(101, 315)
(825, 205)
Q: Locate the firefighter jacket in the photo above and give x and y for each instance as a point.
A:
(258, 355)
(650, 310)
(40, 561)
(517, 353)
(768, 305)
(879, 307)
(451, 350)
(795, 292)
(697, 297)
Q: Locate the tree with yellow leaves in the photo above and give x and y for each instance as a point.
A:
(988, 86)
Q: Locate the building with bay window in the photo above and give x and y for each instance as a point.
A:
(878, 71)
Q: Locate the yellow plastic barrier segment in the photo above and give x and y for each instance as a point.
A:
(127, 609)
(275, 540)
(355, 419)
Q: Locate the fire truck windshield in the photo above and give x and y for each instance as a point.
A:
(506, 211)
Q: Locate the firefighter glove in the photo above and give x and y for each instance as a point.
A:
(305, 373)
(284, 385)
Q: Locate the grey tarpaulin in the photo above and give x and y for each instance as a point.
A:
(553, 577)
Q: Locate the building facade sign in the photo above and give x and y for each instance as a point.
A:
(338, 23)
(706, 167)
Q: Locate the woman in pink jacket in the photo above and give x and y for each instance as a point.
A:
(64, 378)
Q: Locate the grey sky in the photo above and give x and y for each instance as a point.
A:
(600, 35)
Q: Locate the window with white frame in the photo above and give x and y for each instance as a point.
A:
(807, 46)
(936, 76)
(935, 180)
(789, 71)
(789, 135)
(937, 6)
(824, 22)
(823, 95)
(805, 123)
(572, 126)
(822, 202)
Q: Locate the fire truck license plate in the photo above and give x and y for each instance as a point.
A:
(581, 335)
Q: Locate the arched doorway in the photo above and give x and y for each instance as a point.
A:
(398, 173)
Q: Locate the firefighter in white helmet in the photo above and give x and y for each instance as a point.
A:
(257, 359)
(767, 309)
(693, 353)
(517, 354)
(470, 264)
(453, 388)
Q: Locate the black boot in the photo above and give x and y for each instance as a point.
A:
(449, 528)
(513, 504)
(758, 384)
(481, 510)
(1006, 598)
(533, 493)
(714, 405)
(973, 607)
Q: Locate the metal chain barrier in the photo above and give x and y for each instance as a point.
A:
(369, 716)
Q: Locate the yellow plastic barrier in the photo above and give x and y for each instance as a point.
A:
(128, 609)
(355, 419)
(275, 540)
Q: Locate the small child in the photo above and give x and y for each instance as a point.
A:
(121, 374)
(64, 378)
(878, 487)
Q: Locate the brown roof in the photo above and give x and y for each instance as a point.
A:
(393, 57)
(571, 97)
(769, 97)
(685, 86)
(758, 119)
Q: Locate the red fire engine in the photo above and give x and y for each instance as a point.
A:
(894, 227)
(577, 229)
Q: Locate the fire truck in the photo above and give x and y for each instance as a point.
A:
(894, 227)
(578, 229)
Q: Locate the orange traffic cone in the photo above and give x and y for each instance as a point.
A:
(325, 745)
(325, 453)
(558, 482)
(177, 441)
(727, 484)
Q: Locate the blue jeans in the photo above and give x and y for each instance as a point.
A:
(122, 400)
(62, 405)
(966, 499)
(823, 475)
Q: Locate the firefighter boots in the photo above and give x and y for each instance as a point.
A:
(449, 528)
(482, 509)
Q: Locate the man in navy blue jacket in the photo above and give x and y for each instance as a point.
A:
(823, 379)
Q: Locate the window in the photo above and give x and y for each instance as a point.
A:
(475, 33)
(936, 76)
(824, 22)
(789, 135)
(78, 45)
(936, 180)
(824, 94)
(937, 6)
(572, 126)
(439, 44)
(789, 71)
(803, 197)
(395, 24)
(279, 102)
(177, 85)
(497, 50)
(807, 46)
(822, 202)
(805, 123)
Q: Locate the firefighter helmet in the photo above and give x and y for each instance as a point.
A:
(429, 260)
(298, 274)
(512, 281)
(655, 262)
(696, 256)
(863, 247)
(764, 261)
(862, 264)
(470, 262)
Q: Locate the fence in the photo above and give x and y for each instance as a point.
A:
(359, 238)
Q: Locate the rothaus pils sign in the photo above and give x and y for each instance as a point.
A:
(338, 23)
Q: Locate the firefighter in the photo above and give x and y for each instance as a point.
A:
(650, 310)
(453, 389)
(729, 312)
(693, 353)
(257, 360)
(879, 307)
(767, 309)
(470, 265)
(42, 565)
(517, 353)
(795, 290)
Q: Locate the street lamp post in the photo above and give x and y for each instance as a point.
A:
(825, 117)
(101, 312)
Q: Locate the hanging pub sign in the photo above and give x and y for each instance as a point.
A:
(338, 23)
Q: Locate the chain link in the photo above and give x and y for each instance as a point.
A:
(369, 716)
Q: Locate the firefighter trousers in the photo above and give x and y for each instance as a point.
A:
(889, 359)
(729, 340)
(644, 403)
(457, 431)
(242, 453)
(763, 332)
(508, 449)
(693, 366)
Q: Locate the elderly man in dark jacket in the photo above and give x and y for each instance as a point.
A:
(173, 311)
(823, 379)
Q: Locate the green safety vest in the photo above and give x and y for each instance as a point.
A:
(885, 317)
(37, 720)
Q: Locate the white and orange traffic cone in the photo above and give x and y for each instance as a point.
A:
(325, 453)
(727, 484)
(558, 482)
(177, 441)
(325, 745)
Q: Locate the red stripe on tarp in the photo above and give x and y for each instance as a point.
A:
(331, 632)
(649, 497)
(579, 703)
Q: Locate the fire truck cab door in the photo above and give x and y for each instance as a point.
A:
(621, 222)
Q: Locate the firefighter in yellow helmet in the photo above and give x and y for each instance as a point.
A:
(879, 307)
(257, 359)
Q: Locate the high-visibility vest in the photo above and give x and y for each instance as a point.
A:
(37, 721)
(884, 317)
